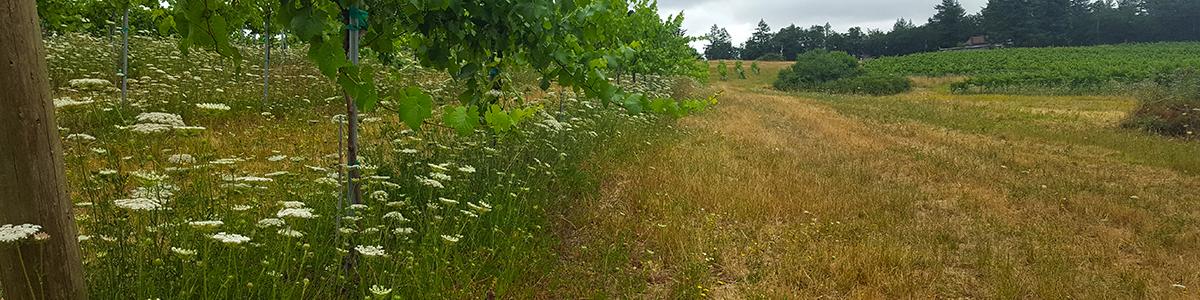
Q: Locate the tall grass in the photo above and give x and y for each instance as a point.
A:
(197, 188)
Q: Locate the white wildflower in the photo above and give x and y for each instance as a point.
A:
(403, 231)
(230, 238)
(277, 157)
(138, 204)
(483, 207)
(380, 291)
(212, 223)
(160, 118)
(183, 252)
(270, 222)
(293, 204)
(288, 232)
(395, 215)
(81, 136)
(466, 169)
(369, 251)
(213, 106)
(89, 83)
(379, 195)
(447, 201)
(12, 233)
(430, 182)
(253, 179)
(439, 176)
(451, 238)
(302, 213)
(70, 102)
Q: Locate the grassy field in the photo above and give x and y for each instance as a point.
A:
(920, 195)
(926, 194)
(198, 188)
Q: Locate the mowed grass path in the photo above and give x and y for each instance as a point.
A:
(922, 195)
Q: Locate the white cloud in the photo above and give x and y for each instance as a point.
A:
(740, 17)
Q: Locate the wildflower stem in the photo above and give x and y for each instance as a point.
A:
(25, 271)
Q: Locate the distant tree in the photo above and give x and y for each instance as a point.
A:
(1008, 21)
(789, 42)
(949, 24)
(1114, 22)
(1175, 20)
(720, 45)
(759, 43)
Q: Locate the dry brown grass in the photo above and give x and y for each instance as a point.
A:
(777, 196)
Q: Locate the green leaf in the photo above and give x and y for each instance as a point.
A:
(461, 118)
(415, 106)
(359, 83)
(634, 103)
(498, 119)
(520, 114)
(328, 55)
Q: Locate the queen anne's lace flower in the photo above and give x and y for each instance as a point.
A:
(12, 233)
(212, 106)
(270, 222)
(302, 213)
(138, 204)
(230, 238)
(370, 250)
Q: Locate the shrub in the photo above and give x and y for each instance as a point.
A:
(1170, 105)
(837, 72)
(815, 67)
(871, 84)
(772, 57)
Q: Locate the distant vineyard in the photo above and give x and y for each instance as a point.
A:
(1066, 69)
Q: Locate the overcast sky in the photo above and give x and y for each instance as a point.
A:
(740, 17)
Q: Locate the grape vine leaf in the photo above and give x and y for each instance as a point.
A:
(498, 119)
(414, 106)
(463, 119)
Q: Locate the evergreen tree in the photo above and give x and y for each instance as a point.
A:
(720, 45)
(789, 41)
(759, 43)
(1175, 20)
(949, 23)
(1009, 21)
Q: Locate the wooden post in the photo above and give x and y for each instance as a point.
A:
(351, 47)
(32, 184)
(125, 59)
(267, 63)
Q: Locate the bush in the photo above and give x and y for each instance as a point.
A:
(836, 72)
(815, 67)
(771, 57)
(1170, 105)
(871, 84)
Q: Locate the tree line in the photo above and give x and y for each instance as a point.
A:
(1016, 23)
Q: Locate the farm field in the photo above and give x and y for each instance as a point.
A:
(1071, 70)
(548, 149)
(925, 194)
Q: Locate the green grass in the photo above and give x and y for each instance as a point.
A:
(440, 242)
